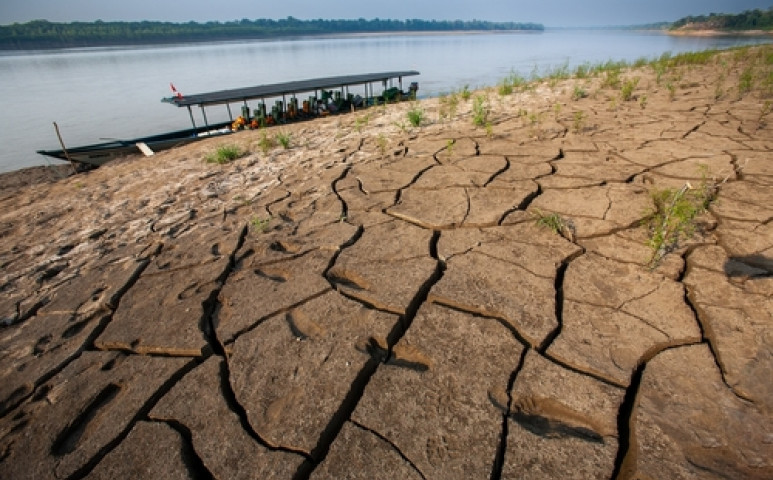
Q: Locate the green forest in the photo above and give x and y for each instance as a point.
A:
(45, 34)
(748, 20)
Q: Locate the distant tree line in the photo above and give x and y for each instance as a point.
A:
(45, 34)
(748, 20)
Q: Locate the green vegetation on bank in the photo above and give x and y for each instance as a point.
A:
(45, 34)
(748, 20)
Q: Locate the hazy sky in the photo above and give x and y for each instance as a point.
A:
(551, 13)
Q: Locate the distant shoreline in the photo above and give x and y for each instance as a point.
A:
(182, 41)
(42, 34)
(719, 33)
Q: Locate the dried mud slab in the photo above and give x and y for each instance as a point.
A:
(418, 207)
(255, 291)
(151, 450)
(385, 275)
(561, 424)
(81, 413)
(615, 315)
(218, 437)
(434, 405)
(492, 273)
(391, 175)
(596, 211)
(360, 454)
(736, 310)
(34, 350)
(593, 167)
(687, 424)
(164, 313)
(294, 371)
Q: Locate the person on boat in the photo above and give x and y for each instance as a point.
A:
(322, 108)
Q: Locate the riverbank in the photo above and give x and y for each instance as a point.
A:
(693, 32)
(460, 287)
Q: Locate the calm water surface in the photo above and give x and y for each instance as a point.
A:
(103, 93)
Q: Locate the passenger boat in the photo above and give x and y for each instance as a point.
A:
(323, 101)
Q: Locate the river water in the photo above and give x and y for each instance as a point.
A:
(96, 94)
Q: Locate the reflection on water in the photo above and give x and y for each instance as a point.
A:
(105, 93)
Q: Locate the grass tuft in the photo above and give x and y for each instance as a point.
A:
(415, 116)
(225, 154)
(674, 216)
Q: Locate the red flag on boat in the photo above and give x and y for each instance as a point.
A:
(174, 90)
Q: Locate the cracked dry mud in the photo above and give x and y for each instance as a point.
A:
(379, 303)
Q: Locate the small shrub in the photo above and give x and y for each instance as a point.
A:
(224, 154)
(480, 111)
(360, 122)
(283, 139)
(629, 86)
(746, 81)
(552, 221)
(450, 146)
(612, 79)
(415, 116)
(578, 93)
(505, 89)
(582, 71)
(660, 69)
(449, 105)
(265, 143)
(556, 224)
(671, 90)
(382, 144)
(558, 73)
(579, 121)
(673, 218)
(260, 224)
(511, 83)
(465, 93)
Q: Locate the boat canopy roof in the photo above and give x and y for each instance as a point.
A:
(285, 88)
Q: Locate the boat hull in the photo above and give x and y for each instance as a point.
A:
(100, 153)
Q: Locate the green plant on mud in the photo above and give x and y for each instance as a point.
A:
(224, 154)
(360, 122)
(555, 223)
(260, 225)
(480, 111)
(578, 121)
(578, 93)
(612, 78)
(382, 143)
(626, 92)
(415, 116)
(551, 221)
(674, 216)
(511, 83)
(465, 93)
(450, 143)
(283, 139)
(671, 90)
(448, 105)
(265, 143)
(746, 81)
